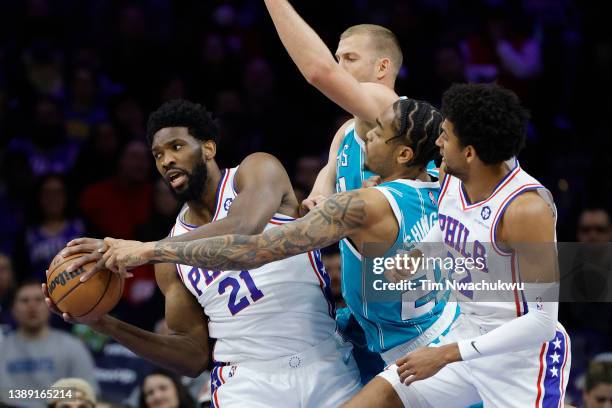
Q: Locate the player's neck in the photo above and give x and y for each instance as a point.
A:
(411, 173)
(202, 211)
(482, 181)
(33, 334)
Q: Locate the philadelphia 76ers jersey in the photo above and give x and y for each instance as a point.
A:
(403, 318)
(276, 310)
(469, 231)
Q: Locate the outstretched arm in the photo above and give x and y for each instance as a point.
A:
(317, 65)
(339, 216)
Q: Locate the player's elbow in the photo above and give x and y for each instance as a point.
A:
(196, 367)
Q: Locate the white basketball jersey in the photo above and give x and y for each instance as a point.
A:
(469, 231)
(276, 310)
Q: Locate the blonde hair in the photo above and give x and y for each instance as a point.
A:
(384, 42)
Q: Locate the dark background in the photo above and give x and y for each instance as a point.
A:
(79, 78)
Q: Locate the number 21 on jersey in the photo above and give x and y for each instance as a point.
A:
(236, 305)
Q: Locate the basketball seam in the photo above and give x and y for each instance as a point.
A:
(110, 276)
(68, 292)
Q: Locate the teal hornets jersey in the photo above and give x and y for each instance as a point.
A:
(350, 162)
(395, 320)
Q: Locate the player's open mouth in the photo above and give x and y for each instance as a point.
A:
(176, 178)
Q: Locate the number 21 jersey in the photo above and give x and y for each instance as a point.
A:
(276, 310)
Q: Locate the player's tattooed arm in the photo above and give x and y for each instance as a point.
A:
(334, 219)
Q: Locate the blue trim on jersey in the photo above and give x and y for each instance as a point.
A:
(467, 199)
(326, 289)
(503, 210)
(552, 382)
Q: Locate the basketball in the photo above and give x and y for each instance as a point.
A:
(91, 299)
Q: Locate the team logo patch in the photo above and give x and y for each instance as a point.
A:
(433, 199)
(228, 203)
(485, 213)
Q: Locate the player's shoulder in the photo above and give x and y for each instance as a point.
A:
(262, 169)
(528, 206)
(260, 163)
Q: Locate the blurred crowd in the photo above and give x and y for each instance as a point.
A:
(78, 79)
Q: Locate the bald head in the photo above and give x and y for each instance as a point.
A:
(382, 43)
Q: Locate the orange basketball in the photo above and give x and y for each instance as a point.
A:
(91, 299)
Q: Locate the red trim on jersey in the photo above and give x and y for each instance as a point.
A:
(537, 403)
(497, 190)
(221, 192)
(445, 184)
(567, 345)
(500, 213)
(221, 375)
(215, 398)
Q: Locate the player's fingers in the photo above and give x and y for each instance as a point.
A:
(401, 361)
(85, 259)
(410, 379)
(45, 290)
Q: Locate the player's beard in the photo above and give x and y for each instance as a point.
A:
(196, 183)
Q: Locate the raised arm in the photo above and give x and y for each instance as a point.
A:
(325, 184)
(317, 65)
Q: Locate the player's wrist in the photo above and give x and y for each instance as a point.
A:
(451, 353)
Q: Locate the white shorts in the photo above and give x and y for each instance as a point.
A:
(527, 378)
(323, 376)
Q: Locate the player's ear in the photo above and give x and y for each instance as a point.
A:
(405, 154)
(209, 149)
(469, 153)
(384, 64)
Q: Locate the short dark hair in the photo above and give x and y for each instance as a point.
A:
(417, 123)
(487, 117)
(184, 398)
(184, 113)
(598, 373)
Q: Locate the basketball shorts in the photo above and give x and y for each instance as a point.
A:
(323, 376)
(527, 378)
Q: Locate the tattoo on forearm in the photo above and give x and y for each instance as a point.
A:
(329, 222)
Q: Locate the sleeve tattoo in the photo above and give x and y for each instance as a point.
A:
(328, 223)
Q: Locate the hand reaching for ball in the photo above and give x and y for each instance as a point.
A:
(121, 255)
(88, 319)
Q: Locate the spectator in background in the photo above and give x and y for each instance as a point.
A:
(52, 227)
(15, 196)
(35, 355)
(198, 387)
(81, 395)
(83, 111)
(7, 288)
(594, 225)
(46, 146)
(449, 68)
(306, 171)
(597, 392)
(161, 389)
(115, 206)
(98, 159)
(504, 50)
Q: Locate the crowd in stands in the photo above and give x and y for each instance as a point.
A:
(78, 79)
